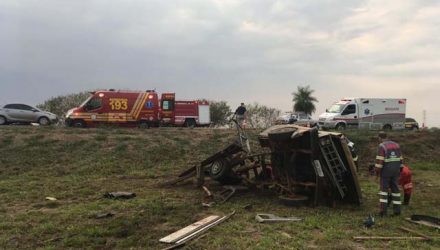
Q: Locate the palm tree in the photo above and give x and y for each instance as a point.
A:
(303, 100)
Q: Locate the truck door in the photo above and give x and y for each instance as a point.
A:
(94, 108)
(350, 115)
(167, 104)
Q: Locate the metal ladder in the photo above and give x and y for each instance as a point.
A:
(334, 163)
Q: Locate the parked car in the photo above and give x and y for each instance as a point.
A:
(299, 119)
(22, 113)
(411, 124)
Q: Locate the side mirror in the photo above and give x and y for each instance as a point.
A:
(34, 110)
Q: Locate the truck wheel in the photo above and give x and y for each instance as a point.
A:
(387, 127)
(78, 124)
(3, 120)
(221, 171)
(340, 126)
(44, 121)
(144, 124)
(189, 123)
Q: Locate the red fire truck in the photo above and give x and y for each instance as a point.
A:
(143, 109)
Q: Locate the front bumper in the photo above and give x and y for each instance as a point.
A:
(327, 124)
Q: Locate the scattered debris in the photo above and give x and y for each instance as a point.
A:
(248, 207)
(263, 218)
(208, 193)
(209, 204)
(286, 235)
(51, 198)
(185, 234)
(425, 220)
(415, 232)
(369, 222)
(387, 238)
(229, 191)
(119, 195)
(104, 215)
(419, 237)
(302, 165)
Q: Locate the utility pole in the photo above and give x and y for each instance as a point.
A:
(424, 119)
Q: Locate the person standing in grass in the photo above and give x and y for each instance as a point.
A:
(388, 166)
(240, 114)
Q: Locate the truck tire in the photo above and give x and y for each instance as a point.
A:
(78, 124)
(340, 126)
(221, 171)
(144, 124)
(387, 127)
(43, 121)
(190, 123)
(293, 201)
(3, 120)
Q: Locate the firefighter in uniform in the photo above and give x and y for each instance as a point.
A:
(388, 166)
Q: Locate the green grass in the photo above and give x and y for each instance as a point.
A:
(77, 166)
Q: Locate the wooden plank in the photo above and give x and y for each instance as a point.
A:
(388, 238)
(425, 223)
(415, 232)
(205, 228)
(189, 229)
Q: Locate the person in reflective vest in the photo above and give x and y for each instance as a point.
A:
(388, 166)
(406, 183)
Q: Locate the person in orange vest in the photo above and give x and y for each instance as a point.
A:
(388, 166)
(406, 183)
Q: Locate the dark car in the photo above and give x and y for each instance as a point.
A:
(25, 114)
(411, 124)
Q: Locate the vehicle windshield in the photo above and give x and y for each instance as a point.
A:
(86, 101)
(336, 108)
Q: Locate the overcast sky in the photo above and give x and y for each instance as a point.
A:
(250, 50)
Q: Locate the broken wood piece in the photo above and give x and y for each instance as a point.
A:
(174, 237)
(175, 246)
(206, 228)
(119, 195)
(415, 232)
(387, 238)
(208, 193)
(424, 223)
(262, 218)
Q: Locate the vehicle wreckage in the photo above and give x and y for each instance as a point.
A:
(302, 165)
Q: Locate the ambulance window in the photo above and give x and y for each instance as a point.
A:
(350, 109)
(94, 103)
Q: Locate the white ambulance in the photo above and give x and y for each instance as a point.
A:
(366, 113)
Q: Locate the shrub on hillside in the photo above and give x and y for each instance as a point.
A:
(61, 104)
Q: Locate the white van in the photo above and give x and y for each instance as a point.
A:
(367, 113)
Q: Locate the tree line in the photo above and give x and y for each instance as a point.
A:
(257, 115)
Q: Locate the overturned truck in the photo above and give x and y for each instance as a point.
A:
(302, 165)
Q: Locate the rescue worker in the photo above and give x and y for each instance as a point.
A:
(388, 166)
(240, 113)
(406, 183)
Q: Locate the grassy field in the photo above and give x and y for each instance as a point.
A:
(77, 166)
